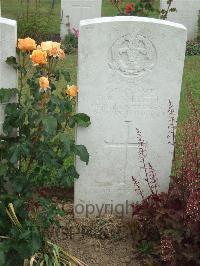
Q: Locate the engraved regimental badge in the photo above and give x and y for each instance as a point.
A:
(132, 55)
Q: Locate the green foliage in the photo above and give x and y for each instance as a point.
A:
(81, 151)
(193, 48)
(135, 8)
(7, 94)
(35, 22)
(145, 247)
(198, 36)
(164, 12)
(79, 119)
(144, 8)
(43, 120)
(36, 144)
(24, 236)
(37, 27)
(70, 42)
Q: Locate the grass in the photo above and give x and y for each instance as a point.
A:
(14, 9)
(191, 80)
(71, 63)
(33, 11)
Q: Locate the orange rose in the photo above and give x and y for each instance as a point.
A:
(55, 49)
(39, 57)
(72, 90)
(44, 83)
(26, 44)
(61, 54)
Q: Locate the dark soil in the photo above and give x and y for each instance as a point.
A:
(58, 193)
(104, 241)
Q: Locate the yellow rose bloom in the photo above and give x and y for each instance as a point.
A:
(54, 51)
(44, 83)
(39, 57)
(46, 46)
(26, 44)
(72, 90)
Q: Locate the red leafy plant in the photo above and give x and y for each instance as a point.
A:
(166, 226)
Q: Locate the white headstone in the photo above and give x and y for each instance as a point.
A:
(73, 11)
(129, 69)
(187, 14)
(8, 76)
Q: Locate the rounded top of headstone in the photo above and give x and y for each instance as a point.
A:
(7, 21)
(131, 19)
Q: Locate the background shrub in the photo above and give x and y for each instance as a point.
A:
(193, 48)
(70, 43)
(35, 18)
(198, 36)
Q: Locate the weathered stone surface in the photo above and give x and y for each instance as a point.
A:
(8, 40)
(187, 14)
(73, 11)
(129, 69)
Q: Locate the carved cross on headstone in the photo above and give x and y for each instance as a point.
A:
(124, 145)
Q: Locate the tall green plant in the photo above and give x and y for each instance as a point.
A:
(35, 22)
(37, 142)
(43, 117)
